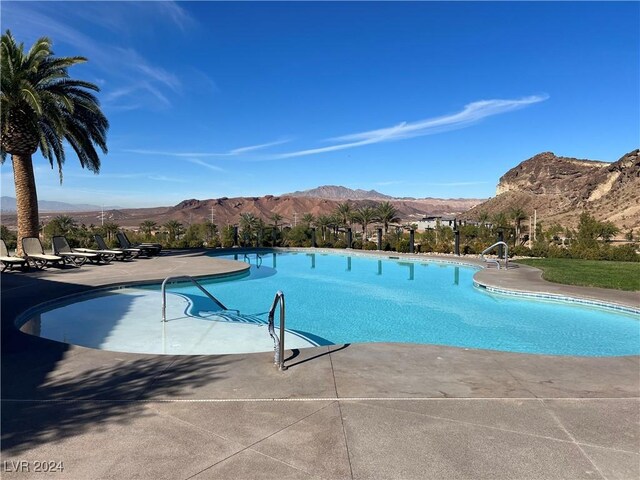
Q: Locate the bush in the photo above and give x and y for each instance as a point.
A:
(468, 250)
(340, 243)
(444, 248)
(402, 245)
(520, 251)
(624, 253)
(357, 244)
(370, 246)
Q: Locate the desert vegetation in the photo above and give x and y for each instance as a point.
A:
(591, 240)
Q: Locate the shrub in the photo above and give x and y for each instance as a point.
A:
(370, 246)
(468, 249)
(444, 247)
(520, 251)
(357, 244)
(340, 243)
(624, 253)
(402, 245)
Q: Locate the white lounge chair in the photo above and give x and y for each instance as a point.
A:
(34, 253)
(10, 261)
(62, 248)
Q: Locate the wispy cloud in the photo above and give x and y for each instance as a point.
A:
(128, 79)
(202, 163)
(240, 151)
(190, 155)
(471, 113)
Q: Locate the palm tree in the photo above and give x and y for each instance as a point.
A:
(40, 108)
(308, 219)
(517, 214)
(275, 218)
(147, 227)
(365, 215)
(248, 225)
(323, 221)
(174, 229)
(110, 229)
(343, 213)
(387, 213)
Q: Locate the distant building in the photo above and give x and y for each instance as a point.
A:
(433, 221)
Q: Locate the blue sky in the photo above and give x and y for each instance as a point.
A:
(439, 99)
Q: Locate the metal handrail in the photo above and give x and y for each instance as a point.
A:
(195, 282)
(278, 343)
(247, 259)
(506, 254)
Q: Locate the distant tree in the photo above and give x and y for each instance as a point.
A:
(109, 230)
(365, 216)
(387, 214)
(517, 214)
(308, 219)
(324, 222)
(210, 233)
(276, 218)
(147, 227)
(248, 227)
(60, 225)
(174, 230)
(590, 230)
(343, 214)
(500, 220)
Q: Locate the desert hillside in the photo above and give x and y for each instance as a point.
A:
(226, 211)
(560, 188)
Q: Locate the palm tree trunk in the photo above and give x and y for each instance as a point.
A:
(26, 198)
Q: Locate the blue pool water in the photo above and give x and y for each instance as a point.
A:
(337, 299)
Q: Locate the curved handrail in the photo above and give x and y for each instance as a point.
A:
(247, 259)
(195, 282)
(278, 343)
(497, 262)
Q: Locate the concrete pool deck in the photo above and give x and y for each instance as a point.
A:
(344, 411)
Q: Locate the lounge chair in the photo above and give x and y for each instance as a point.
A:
(154, 247)
(10, 261)
(62, 248)
(34, 253)
(126, 246)
(118, 253)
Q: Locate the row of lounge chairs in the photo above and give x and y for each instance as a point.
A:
(35, 256)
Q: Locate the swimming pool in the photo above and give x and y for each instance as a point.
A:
(337, 299)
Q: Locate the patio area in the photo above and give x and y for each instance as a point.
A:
(345, 411)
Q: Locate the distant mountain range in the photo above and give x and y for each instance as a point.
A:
(8, 204)
(336, 192)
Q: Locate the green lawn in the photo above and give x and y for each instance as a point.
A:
(589, 273)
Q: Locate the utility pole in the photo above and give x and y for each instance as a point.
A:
(295, 219)
(530, 233)
(535, 223)
(102, 215)
(212, 214)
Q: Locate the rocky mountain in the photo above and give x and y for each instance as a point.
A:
(336, 192)
(226, 211)
(560, 188)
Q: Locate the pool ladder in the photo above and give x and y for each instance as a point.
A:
(497, 260)
(278, 300)
(278, 341)
(197, 284)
